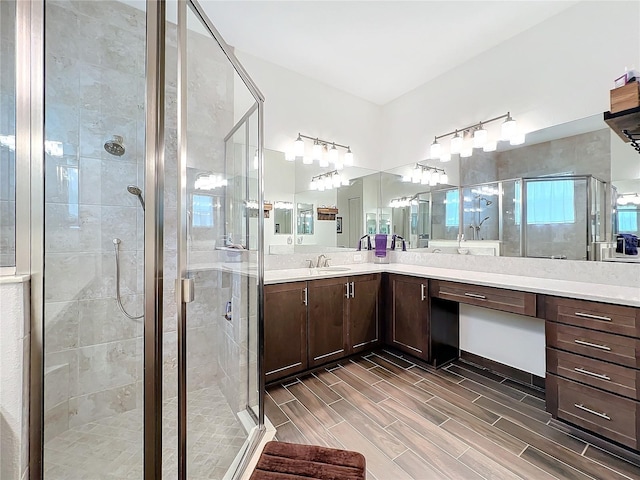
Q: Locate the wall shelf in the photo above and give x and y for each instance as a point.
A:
(625, 121)
(327, 213)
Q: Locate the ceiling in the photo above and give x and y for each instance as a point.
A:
(376, 50)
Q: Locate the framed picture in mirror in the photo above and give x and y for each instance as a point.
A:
(338, 224)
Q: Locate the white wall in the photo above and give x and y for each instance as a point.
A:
(298, 104)
(557, 71)
(14, 375)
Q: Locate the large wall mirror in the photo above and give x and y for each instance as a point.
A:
(564, 194)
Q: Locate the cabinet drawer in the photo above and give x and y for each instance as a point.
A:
(605, 413)
(512, 301)
(591, 343)
(599, 316)
(608, 376)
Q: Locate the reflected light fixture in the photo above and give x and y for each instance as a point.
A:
(628, 198)
(327, 181)
(325, 152)
(464, 140)
(426, 175)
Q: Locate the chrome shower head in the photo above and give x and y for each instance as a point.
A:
(135, 190)
(115, 146)
(488, 202)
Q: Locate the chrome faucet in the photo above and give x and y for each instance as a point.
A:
(322, 263)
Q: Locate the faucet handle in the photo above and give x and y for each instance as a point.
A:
(310, 263)
(326, 262)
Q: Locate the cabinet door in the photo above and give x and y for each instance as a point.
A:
(363, 309)
(285, 329)
(327, 320)
(408, 329)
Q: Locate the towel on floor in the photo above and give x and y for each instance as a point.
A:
(381, 245)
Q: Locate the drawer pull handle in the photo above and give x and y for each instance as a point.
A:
(593, 374)
(347, 287)
(594, 317)
(592, 412)
(422, 294)
(594, 345)
(475, 295)
(306, 296)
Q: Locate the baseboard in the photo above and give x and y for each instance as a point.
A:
(513, 373)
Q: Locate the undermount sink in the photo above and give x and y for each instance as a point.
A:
(334, 269)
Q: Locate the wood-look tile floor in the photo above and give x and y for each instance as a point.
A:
(460, 422)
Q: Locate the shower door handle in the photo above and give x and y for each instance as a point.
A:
(188, 289)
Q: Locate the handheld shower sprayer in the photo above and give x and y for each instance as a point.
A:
(134, 190)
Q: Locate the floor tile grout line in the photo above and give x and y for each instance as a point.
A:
(406, 449)
(458, 457)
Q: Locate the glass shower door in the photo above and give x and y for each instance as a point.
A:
(218, 211)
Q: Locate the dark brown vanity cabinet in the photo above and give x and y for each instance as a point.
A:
(285, 329)
(407, 326)
(363, 309)
(327, 320)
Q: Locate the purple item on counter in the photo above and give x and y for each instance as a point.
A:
(381, 245)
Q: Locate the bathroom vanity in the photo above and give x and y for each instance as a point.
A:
(592, 345)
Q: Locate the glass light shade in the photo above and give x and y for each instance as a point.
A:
(635, 199)
(255, 161)
(620, 201)
(434, 181)
(298, 147)
(435, 177)
(445, 157)
(456, 143)
(333, 154)
(316, 152)
(321, 185)
(426, 177)
(406, 178)
(444, 178)
(509, 128)
(416, 176)
(348, 157)
(479, 137)
(466, 151)
(517, 139)
(313, 185)
(345, 182)
(435, 150)
(337, 181)
(339, 164)
(307, 160)
(490, 146)
(289, 155)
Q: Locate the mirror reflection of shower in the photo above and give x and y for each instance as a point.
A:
(135, 190)
(116, 246)
(477, 225)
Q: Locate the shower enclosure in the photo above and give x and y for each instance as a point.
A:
(146, 351)
(560, 217)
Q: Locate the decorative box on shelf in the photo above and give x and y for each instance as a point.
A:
(327, 213)
(625, 97)
(267, 209)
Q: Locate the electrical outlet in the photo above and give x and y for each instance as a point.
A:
(357, 257)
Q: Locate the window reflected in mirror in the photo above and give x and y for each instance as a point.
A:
(304, 219)
(283, 218)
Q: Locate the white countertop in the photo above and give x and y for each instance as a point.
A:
(563, 288)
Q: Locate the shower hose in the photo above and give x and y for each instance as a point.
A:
(116, 246)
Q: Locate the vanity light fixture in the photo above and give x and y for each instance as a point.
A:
(325, 152)
(327, 181)
(464, 140)
(209, 181)
(426, 175)
(402, 202)
(628, 198)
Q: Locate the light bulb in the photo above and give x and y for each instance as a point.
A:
(517, 139)
(444, 178)
(508, 128)
(348, 157)
(333, 154)
(456, 143)
(298, 147)
(435, 149)
(490, 146)
(445, 157)
(479, 137)
(313, 185)
(307, 160)
(317, 153)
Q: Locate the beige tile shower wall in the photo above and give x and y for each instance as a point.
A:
(95, 88)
